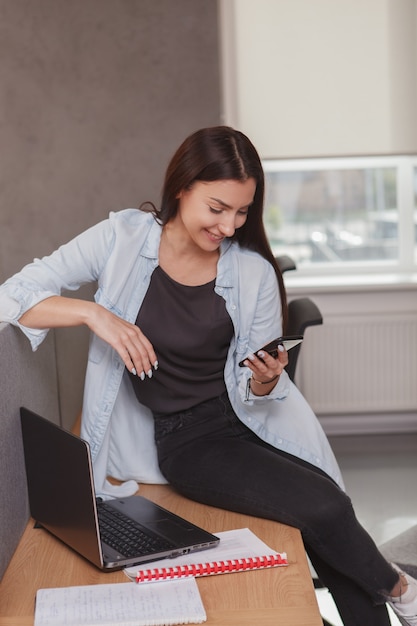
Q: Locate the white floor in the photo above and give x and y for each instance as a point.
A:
(380, 473)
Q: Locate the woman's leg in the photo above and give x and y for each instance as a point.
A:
(210, 456)
(353, 603)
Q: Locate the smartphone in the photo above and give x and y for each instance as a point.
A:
(272, 347)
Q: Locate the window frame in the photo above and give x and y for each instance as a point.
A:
(402, 269)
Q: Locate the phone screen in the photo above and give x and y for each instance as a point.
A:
(272, 347)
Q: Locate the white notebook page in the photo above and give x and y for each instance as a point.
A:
(121, 604)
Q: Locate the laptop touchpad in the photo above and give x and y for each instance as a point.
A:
(172, 530)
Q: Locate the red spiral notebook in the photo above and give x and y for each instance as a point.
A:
(238, 551)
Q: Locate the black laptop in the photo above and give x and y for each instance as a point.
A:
(111, 534)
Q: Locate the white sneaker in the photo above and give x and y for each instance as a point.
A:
(406, 611)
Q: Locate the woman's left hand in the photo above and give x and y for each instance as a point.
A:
(266, 370)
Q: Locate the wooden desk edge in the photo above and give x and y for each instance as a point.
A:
(226, 601)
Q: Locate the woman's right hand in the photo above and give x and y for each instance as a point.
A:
(135, 350)
(127, 339)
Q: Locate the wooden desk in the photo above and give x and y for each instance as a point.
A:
(282, 596)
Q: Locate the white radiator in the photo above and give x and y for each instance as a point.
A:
(360, 364)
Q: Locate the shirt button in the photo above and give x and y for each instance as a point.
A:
(233, 307)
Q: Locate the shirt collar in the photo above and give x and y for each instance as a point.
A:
(151, 247)
(150, 250)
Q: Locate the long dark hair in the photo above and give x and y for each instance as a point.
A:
(221, 153)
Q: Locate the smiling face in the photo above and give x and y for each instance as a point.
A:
(209, 212)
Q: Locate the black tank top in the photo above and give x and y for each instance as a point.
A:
(190, 331)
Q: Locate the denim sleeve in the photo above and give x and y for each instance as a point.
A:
(78, 262)
(265, 324)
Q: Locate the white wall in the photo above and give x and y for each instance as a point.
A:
(321, 77)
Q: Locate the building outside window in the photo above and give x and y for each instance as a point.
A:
(343, 214)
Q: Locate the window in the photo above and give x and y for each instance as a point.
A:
(343, 214)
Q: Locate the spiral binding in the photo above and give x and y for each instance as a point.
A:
(214, 567)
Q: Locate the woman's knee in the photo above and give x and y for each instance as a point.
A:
(330, 512)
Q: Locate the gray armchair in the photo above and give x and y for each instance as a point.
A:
(302, 313)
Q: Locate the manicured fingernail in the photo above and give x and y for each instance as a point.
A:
(142, 375)
(251, 357)
(156, 365)
(133, 370)
(150, 374)
(261, 354)
(281, 347)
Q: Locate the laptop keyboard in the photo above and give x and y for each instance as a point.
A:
(126, 536)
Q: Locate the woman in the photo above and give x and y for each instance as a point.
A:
(186, 292)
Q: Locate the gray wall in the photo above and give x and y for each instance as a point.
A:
(26, 380)
(95, 95)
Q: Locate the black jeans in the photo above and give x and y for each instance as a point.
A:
(208, 455)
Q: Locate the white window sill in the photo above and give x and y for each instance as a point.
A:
(297, 283)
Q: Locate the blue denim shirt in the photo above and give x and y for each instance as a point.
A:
(121, 253)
